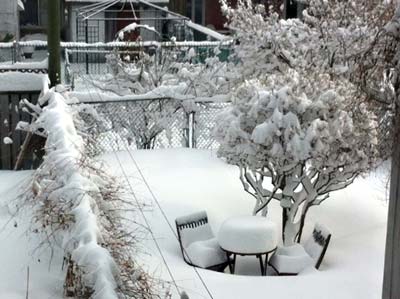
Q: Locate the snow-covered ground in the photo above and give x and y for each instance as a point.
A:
(20, 249)
(186, 181)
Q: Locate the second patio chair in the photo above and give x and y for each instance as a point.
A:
(198, 244)
(291, 260)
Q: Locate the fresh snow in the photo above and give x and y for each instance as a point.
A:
(20, 247)
(25, 65)
(291, 259)
(248, 234)
(7, 140)
(12, 81)
(187, 181)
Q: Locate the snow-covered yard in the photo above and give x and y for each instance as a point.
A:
(186, 181)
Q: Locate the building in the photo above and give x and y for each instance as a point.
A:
(208, 12)
(9, 19)
(106, 18)
(100, 20)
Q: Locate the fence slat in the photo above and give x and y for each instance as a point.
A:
(15, 118)
(10, 115)
(5, 130)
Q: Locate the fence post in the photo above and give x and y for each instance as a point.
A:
(192, 130)
(186, 130)
(14, 52)
(87, 41)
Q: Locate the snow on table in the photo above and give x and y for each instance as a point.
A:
(248, 235)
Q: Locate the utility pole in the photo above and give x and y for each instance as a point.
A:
(53, 41)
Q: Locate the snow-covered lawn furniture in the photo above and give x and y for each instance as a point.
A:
(248, 235)
(198, 244)
(291, 260)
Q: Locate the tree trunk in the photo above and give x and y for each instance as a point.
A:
(391, 280)
(302, 222)
(284, 221)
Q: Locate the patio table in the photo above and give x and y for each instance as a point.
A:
(248, 235)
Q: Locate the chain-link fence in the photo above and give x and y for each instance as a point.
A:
(91, 60)
(150, 124)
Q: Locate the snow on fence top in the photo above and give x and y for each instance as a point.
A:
(16, 81)
(39, 43)
(163, 93)
(25, 65)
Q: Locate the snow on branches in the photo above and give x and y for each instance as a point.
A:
(302, 137)
(297, 128)
(76, 208)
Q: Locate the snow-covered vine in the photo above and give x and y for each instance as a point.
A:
(77, 203)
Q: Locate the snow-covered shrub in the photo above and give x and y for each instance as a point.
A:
(298, 128)
(166, 85)
(295, 139)
(355, 39)
(77, 203)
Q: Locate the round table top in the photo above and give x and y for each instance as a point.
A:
(248, 235)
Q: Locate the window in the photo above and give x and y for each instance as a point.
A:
(35, 13)
(195, 10)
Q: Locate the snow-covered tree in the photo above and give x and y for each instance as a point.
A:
(298, 129)
(296, 140)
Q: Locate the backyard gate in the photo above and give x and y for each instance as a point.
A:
(10, 115)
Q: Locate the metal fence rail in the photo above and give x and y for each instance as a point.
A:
(148, 124)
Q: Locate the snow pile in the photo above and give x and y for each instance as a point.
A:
(291, 259)
(64, 152)
(205, 253)
(200, 247)
(132, 27)
(77, 203)
(248, 235)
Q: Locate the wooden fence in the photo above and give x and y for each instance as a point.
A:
(10, 115)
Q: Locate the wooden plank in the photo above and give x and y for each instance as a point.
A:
(26, 162)
(16, 134)
(37, 141)
(4, 132)
(391, 280)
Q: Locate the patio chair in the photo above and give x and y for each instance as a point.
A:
(198, 244)
(291, 260)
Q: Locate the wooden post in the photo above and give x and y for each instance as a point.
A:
(391, 280)
(53, 41)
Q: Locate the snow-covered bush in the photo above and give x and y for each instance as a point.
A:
(166, 85)
(77, 203)
(296, 140)
(298, 128)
